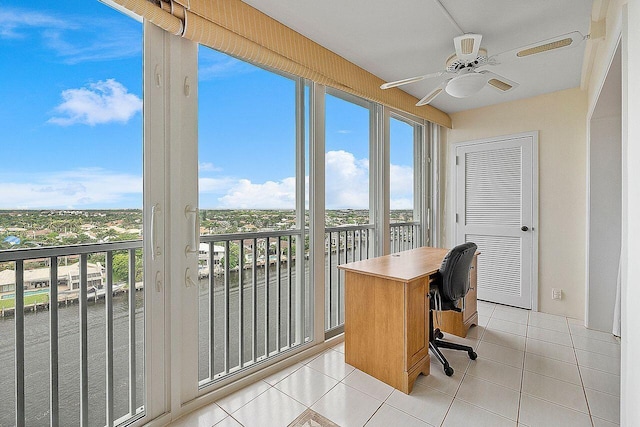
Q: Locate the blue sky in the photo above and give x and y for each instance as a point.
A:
(70, 106)
(71, 110)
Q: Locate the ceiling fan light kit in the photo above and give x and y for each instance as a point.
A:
(466, 84)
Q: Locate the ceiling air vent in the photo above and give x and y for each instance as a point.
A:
(498, 84)
(545, 47)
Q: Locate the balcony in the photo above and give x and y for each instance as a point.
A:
(85, 354)
(79, 346)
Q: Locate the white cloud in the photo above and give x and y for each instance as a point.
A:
(401, 183)
(99, 103)
(72, 38)
(213, 65)
(89, 188)
(122, 43)
(16, 22)
(347, 186)
(270, 195)
(346, 181)
(344, 131)
(215, 185)
(208, 167)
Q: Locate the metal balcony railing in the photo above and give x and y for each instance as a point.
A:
(92, 371)
(404, 236)
(343, 244)
(354, 243)
(254, 299)
(255, 303)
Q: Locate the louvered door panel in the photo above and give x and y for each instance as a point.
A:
(494, 189)
(500, 269)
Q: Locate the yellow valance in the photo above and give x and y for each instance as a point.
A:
(235, 28)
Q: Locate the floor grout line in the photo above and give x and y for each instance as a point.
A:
(524, 360)
(482, 334)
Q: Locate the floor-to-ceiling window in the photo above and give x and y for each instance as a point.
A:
(74, 131)
(406, 189)
(253, 251)
(72, 306)
(349, 221)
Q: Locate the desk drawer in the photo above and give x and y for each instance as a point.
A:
(416, 321)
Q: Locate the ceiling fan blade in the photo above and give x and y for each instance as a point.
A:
(563, 41)
(433, 94)
(498, 82)
(467, 46)
(410, 80)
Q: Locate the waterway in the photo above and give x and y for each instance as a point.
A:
(226, 349)
(37, 369)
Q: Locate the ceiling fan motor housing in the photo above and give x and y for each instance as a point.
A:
(455, 64)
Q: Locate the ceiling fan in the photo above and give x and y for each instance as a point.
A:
(464, 71)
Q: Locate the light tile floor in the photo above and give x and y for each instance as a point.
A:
(533, 369)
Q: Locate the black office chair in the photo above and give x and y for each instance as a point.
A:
(450, 286)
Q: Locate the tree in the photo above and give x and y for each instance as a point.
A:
(234, 252)
(121, 267)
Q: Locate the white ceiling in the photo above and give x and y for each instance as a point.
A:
(405, 38)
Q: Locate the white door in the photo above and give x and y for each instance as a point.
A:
(496, 205)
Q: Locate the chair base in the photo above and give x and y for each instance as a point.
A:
(436, 344)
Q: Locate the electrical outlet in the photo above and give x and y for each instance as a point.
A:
(556, 293)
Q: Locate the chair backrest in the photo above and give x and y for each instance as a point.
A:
(455, 271)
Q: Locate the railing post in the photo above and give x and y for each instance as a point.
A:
(241, 304)
(19, 343)
(226, 290)
(278, 292)
(84, 348)
(212, 311)
(108, 297)
(132, 332)
(266, 300)
(54, 417)
(254, 300)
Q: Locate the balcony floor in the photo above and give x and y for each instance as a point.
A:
(533, 369)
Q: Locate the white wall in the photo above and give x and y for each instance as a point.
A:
(622, 20)
(560, 118)
(605, 200)
(605, 216)
(630, 373)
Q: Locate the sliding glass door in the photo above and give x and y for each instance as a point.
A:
(253, 255)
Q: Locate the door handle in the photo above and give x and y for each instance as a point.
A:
(192, 248)
(524, 228)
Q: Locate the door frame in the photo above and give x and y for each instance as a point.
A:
(452, 178)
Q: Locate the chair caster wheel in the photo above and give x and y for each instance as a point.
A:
(473, 355)
(439, 334)
(448, 371)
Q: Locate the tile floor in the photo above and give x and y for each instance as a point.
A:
(533, 369)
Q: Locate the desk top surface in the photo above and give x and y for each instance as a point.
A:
(402, 266)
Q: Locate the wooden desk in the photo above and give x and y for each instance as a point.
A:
(387, 315)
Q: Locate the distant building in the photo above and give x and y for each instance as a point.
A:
(68, 277)
(203, 258)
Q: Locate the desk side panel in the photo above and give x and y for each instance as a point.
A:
(374, 327)
(417, 321)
